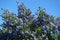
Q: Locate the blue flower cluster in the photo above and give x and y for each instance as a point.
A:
(25, 26)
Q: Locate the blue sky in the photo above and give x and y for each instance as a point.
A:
(52, 6)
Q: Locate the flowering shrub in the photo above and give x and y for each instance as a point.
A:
(25, 26)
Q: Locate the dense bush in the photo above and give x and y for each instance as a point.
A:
(26, 26)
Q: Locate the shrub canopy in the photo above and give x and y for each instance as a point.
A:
(25, 26)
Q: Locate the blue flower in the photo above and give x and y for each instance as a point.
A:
(19, 15)
(36, 22)
(51, 32)
(43, 20)
(57, 32)
(7, 22)
(25, 20)
(20, 20)
(31, 38)
(22, 33)
(52, 24)
(45, 31)
(46, 38)
(27, 17)
(26, 32)
(35, 38)
(32, 34)
(44, 27)
(18, 27)
(4, 26)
